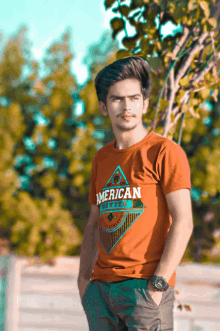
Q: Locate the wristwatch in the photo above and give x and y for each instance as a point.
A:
(159, 283)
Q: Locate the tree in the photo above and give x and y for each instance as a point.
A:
(34, 217)
(184, 64)
(46, 151)
(185, 68)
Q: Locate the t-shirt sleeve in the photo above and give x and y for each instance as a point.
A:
(92, 190)
(174, 169)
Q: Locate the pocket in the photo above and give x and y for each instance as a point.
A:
(151, 299)
(167, 295)
(147, 295)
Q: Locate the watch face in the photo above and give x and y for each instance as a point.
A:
(160, 283)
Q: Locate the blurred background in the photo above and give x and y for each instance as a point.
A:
(51, 128)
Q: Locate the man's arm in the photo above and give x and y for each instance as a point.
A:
(180, 207)
(89, 248)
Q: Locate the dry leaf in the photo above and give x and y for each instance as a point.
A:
(187, 307)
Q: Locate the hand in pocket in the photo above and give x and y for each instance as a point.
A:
(155, 295)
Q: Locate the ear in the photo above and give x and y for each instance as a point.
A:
(146, 103)
(103, 108)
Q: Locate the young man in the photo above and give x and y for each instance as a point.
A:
(141, 213)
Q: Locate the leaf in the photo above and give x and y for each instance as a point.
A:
(184, 81)
(144, 44)
(192, 5)
(172, 116)
(205, 92)
(78, 180)
(154, 62)
(205, 7)
(125, 10)
(213, 21)
(130, 42)
(122, 53)
(198, 14)
(136, 3)
(207, 27)
(195, 102)
(108, 3)
(163, 104)
(187, 307)
(159, 129)
(181, 93)
(117, 25)
(167, 17)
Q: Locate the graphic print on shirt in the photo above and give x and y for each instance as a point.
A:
(117, 216)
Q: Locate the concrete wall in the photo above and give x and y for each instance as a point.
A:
(199, 286)
(44, 298)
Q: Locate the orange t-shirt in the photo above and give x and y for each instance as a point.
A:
(129, 186)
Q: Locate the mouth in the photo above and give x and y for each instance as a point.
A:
(126, 116)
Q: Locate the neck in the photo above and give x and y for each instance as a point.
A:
(128, 139)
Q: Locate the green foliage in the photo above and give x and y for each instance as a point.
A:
(40, 219)
(188, 67)
(117, 25)
(42, 227)
(108, 3)
(47, 216)
(154, 62)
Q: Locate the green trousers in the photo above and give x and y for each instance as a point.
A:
(127, 305)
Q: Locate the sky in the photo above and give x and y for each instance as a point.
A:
(47, 20)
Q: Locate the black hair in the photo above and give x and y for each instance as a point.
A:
(129, 67)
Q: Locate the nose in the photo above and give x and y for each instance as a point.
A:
(126, 104)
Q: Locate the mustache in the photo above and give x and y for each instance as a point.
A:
(126, 114)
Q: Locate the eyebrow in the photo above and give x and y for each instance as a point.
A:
(129, 96)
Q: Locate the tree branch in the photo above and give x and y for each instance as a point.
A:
(213, 42)
(196, 48)
(182, 40)
(171, 100)
(181, 128)
(200, 75)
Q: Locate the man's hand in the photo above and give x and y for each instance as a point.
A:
(82, 285)
(156, 295)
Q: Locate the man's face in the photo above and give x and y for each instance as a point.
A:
(125, 97)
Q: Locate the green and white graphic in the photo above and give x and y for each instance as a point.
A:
(120, 207)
